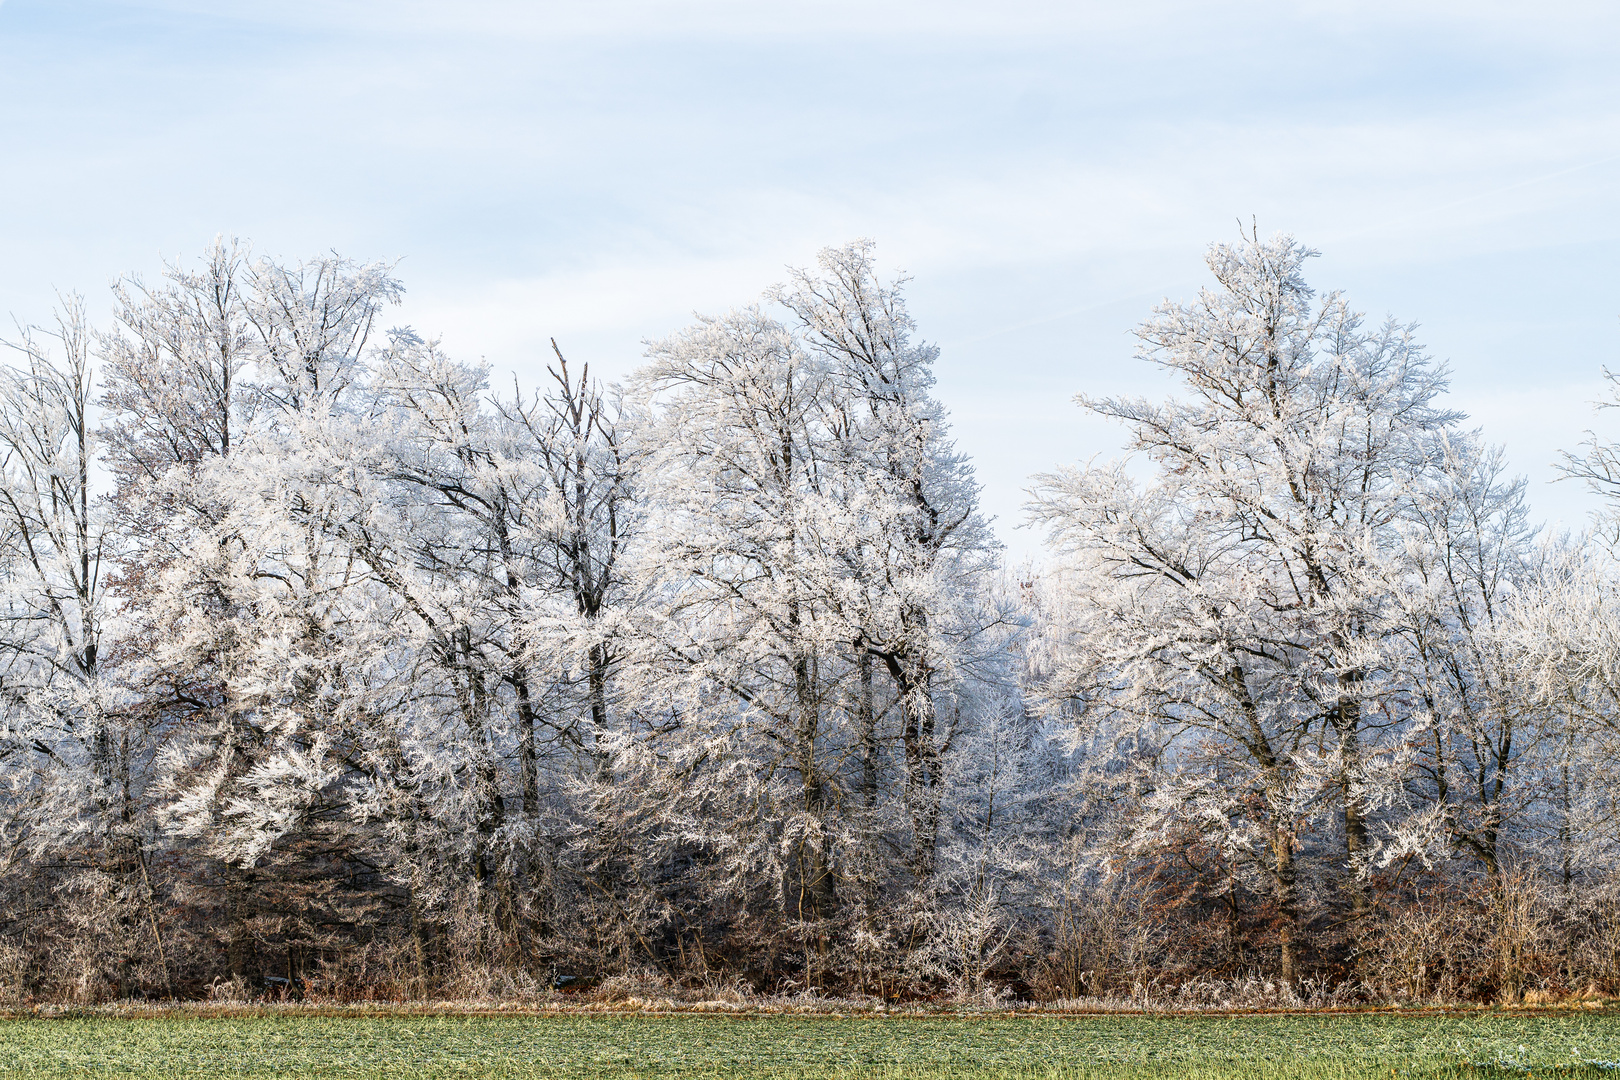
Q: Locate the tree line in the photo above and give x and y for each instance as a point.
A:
(328, 667)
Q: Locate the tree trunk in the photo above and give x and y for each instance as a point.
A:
(1287, 906)
(922, 764)
(817, 896)
(1348, 720)
(241, 952)
(866, 724)
(598, 675)
(528, 760)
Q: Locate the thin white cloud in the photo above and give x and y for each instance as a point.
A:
(1568, 24)
(728, 18)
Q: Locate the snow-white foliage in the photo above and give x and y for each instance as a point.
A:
(316, 644)
(1298, 629)
(817, 561)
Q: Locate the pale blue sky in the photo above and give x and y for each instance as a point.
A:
(1046, 172)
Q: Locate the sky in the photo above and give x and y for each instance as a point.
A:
(598, 171)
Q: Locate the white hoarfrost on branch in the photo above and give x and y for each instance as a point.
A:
(328, 667)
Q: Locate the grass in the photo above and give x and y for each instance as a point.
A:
(1299, 1047)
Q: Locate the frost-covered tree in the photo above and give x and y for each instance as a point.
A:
(1233, 617)
(574, 433)
(212, 433)
(360, 675)
(1478, 729)
(1562, 640)
(818, 572)
(919, 550)
(54, 541)
(72, 753)
(748, 498)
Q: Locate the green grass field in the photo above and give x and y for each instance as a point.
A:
(620, 1047)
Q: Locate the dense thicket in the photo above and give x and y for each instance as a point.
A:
(326, 668)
